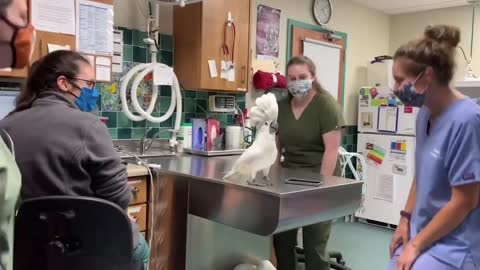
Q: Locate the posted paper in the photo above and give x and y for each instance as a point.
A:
(55, 47)
(94, 27)
(387, 118)
(102, 73)
(213, 68)
(384, 187)
(54, 16)
(162, 75)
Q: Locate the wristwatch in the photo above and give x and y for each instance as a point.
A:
(405, 215)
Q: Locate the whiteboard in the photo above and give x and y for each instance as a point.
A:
(326, 57)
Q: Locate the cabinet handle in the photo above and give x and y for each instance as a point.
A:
(135, 191)
(244, 75)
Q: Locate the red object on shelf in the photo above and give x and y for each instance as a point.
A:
(267, 80)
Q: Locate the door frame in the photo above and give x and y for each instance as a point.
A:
(293, 23)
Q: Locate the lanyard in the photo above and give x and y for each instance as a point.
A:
(225, 47)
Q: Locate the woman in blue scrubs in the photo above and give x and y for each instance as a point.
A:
(440, 225)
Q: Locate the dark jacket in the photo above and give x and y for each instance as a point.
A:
(61, 150)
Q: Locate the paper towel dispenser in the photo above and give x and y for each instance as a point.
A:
(379, 73)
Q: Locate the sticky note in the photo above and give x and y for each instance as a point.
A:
(375, 103)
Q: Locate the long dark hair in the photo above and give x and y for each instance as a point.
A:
(44, 73)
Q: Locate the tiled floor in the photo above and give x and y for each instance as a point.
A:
(363, 247)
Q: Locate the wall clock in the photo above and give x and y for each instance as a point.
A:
(322, 11)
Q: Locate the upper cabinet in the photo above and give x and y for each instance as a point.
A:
(203, 38)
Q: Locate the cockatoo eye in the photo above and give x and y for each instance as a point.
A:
(266, 123)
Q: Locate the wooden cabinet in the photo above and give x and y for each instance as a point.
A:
(138, 208)
(199, 31)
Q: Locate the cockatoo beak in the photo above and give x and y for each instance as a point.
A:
(273, 127)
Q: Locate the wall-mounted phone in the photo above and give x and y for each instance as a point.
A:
(224, 104)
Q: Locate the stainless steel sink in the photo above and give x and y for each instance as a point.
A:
(129, 149)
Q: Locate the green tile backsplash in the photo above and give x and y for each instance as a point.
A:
(194, 104)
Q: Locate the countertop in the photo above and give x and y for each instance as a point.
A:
(214, 168)
(256, 209)
(134, 170)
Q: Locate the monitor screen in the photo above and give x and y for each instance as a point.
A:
(7, 102)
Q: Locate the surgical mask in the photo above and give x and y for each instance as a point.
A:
(21, 45)
(299, 88)
(87, 99)
(409, 95)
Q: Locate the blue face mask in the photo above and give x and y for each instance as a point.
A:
(299, 88)
(410, 96)
(87, 99)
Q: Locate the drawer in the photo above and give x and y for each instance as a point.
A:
(138, 186)
(139, 214)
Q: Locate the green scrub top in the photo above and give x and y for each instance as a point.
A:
(301, 139)
(10, 183)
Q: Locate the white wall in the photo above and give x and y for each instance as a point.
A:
(406, 27)
(133, 14)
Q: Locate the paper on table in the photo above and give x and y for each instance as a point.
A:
(54, 16)
(102, 73)
(387, 118)
(55, 47)
(94, 27)
(213, 68)
(103, 61)
(162, 75)
(384, 187)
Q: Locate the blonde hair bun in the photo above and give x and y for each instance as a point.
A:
(445, 34)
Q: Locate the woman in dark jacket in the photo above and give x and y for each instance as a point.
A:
(61, 148)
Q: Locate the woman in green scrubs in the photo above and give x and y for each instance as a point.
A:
(310, 123)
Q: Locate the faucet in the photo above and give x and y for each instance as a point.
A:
(143, 145)
(146, 143)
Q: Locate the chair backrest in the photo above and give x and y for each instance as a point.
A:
(7, 140)
(65, 232)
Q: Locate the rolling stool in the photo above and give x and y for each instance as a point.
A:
(72, 232)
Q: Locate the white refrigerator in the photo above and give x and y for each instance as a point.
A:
(386, 139)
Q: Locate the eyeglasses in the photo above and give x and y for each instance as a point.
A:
(91, 84)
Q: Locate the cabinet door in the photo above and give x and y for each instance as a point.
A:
(215, 15)
(241, 15)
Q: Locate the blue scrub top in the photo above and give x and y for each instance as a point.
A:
(448, 157)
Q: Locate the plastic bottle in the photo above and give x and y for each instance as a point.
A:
(248, 132)
(186, 132)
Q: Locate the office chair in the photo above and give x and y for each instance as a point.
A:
(74, 233)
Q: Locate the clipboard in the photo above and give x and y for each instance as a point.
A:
(387, 119)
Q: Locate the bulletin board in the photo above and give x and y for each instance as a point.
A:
(301, 35)
(44, 38)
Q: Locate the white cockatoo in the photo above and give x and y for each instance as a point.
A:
(262, 154)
